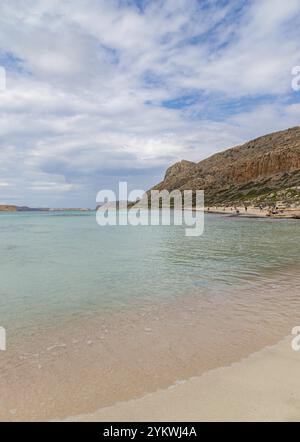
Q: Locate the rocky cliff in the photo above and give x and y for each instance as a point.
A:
(261, 171)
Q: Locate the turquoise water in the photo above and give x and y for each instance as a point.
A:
(61, 264)
(96, 315)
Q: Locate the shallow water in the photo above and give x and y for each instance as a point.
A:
(100, 314)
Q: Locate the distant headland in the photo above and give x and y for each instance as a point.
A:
(12, 208)
(262, 174)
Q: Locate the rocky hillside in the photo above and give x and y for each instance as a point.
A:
(263, 171)
(7, 208)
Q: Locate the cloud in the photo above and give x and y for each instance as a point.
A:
(100, 90)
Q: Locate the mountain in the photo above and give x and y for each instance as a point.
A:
(263, 171)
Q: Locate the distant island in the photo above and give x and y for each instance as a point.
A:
(12, 208)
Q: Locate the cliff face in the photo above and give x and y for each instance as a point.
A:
(262, 170)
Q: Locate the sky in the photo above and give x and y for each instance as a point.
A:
(102, 91)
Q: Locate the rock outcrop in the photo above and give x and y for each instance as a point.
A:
(261, 171)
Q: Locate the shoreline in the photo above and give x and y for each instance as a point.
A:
(97, 362)
(85, 345)
(251, 212)
(254, 212)
(264, 386)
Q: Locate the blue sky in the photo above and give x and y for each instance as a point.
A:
(102, 91)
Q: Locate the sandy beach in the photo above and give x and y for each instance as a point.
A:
(141, 319)
(262, 387)
(255, 212)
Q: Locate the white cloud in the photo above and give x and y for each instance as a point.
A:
(52, 186)
(87, 81)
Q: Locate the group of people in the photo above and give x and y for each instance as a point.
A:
(272, 210)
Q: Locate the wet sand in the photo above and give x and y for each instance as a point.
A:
(116, 315)
(262, 387)
(103, 360)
